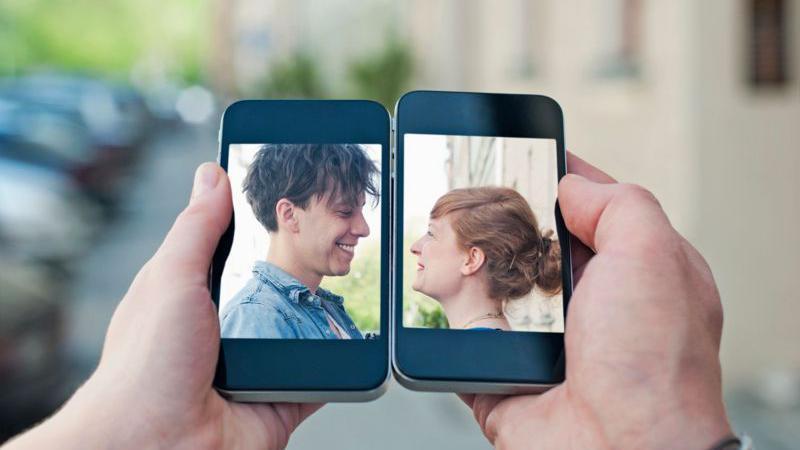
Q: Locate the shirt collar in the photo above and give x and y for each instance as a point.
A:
(289, 285)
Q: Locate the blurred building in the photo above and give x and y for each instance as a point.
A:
(698, 101)
(254, 35)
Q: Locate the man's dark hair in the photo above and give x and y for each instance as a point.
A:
(297, 172)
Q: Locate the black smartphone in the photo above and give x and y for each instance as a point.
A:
(301, 277)
(482, 269)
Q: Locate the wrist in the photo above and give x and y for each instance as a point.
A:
(91, 418)
(698, 422)
(660, 418)
(73, 426)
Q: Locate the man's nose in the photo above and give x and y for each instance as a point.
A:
(360, 227)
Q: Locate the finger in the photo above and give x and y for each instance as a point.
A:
(579, 166)
(605, 215)
(189, 246)
(468, 399)
(307, 409)
(280, 419)
(581, 254)
(482, 407)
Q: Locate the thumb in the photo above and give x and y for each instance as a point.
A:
(190, 244)
(605, 215)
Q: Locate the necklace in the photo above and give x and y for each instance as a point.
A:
(494, 315)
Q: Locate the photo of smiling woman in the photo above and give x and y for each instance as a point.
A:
(483, 247)
(480, 243)
(305, 257)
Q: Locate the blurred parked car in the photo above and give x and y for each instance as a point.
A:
(60, 140)
(43, 216)
(33, 378)
(114, 117)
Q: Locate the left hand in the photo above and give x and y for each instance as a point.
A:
(153, 386)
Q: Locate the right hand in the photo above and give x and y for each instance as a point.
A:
(642, 334)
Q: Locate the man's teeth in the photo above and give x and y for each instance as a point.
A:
(347, 248)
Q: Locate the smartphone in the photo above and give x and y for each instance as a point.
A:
(482, 269)
(428, 245)
(301, 277)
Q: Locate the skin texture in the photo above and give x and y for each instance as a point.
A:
(305, 244)
(642, 335)
(440, 261)
(152, 388)
(455, 277)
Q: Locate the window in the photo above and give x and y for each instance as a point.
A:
(767, 43)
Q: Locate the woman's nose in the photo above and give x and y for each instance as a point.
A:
(416, 247)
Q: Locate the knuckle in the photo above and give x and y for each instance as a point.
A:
(715, 312)
(636, 193)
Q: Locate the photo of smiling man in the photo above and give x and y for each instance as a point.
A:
(310, 199)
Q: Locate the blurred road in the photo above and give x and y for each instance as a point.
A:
(399, 420)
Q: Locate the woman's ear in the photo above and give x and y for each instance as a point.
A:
(473, 261)
(286, 216)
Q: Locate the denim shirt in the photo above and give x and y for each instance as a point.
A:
(273, 304)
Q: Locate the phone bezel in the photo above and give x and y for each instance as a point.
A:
(478, 361)
(298, 365)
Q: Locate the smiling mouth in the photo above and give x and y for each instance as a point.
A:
(420, 267)
(346, 248)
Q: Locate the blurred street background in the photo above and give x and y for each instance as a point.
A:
(107, 107)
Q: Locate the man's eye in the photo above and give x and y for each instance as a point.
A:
(429, 233)
(345, 213)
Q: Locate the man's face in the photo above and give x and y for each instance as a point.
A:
(328, 233)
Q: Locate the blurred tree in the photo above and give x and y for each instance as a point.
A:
(432, 318)
(361, 288)
(294, 77)
(384, 75)
(108, 37)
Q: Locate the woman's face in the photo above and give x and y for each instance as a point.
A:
(439, 261)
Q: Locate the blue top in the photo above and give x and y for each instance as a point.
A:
(274, 304)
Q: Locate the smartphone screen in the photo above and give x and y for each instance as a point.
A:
(305, 260)
(481, 245)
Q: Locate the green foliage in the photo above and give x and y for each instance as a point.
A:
(107, 37)
(361, 288)
(294, 77)
(432, 318)
(383, 76)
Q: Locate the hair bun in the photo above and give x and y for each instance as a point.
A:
(546, 243)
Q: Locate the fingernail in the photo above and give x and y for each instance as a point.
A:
(205, 179)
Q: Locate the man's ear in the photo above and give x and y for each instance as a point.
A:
(473, 261)
(286, 215)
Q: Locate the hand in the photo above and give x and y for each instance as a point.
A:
(153, 386)
(642, 335)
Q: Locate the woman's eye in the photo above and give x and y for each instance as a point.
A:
(429, 233)
(345, 213)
